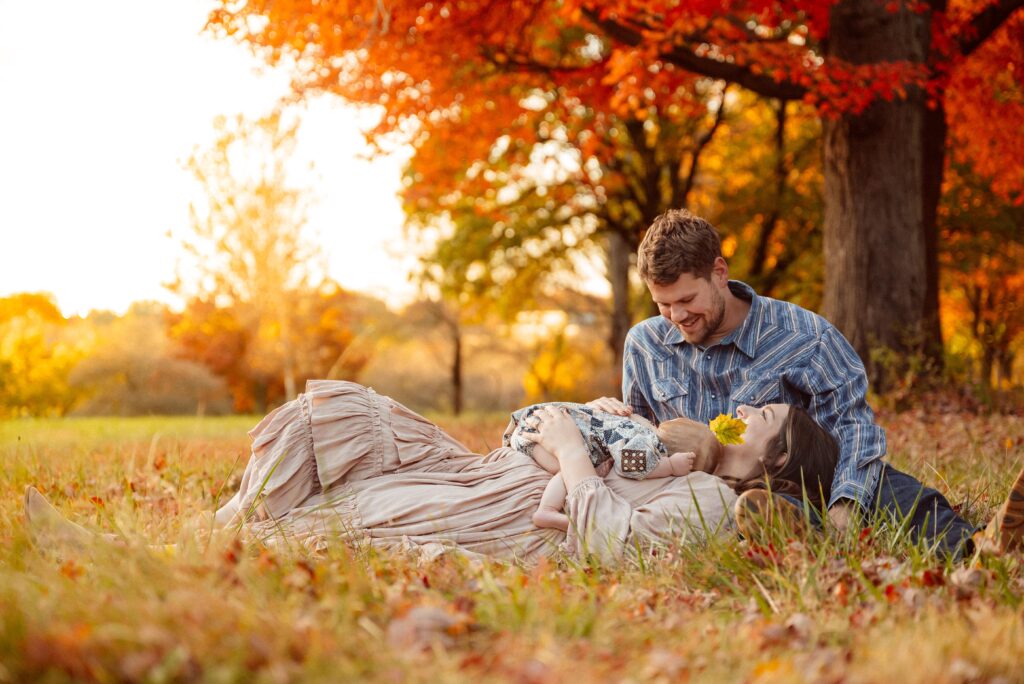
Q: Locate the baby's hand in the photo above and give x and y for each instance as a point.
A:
(682, 463)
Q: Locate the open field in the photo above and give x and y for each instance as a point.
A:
(868, 608)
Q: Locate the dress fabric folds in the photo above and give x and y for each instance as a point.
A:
(342, 463)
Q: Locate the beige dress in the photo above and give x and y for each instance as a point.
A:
(342, 462)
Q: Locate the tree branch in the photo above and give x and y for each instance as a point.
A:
(707, 66)
(985, 23)
(702, 142)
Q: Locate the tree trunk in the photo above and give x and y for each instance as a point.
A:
(876, 274)
(933, 146)
(456, 369)
(619, 250)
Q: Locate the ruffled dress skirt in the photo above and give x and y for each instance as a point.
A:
(336, 432)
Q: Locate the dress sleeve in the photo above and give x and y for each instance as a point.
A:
(599, 522)
(606, 527)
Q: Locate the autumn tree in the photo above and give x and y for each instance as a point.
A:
(983, 284)
(883, 76)
(250, 278)
(133, 369)
(325, 343)
(38, 350)
(563, 187)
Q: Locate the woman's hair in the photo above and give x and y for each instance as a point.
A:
(800, 460)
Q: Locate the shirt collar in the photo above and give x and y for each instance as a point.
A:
(744, 337)
(746, 333)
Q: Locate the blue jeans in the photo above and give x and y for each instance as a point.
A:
(923, 510)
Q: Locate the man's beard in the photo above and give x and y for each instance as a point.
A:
(712, 320)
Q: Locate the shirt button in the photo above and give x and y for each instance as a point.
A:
(713, 396)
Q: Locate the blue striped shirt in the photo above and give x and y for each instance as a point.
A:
(780, 353)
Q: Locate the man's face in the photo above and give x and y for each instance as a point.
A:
(694, 305)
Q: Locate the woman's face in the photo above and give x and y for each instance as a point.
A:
(762, 425)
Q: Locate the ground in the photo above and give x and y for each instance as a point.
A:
(869, 607)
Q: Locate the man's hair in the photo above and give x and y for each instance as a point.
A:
(809, 463)
(678, 242)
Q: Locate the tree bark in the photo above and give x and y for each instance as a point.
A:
(619, 249)
(876, 277)
(456, 369)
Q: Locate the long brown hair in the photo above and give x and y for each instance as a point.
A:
(801, 460)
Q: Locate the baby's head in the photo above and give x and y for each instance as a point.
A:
(683, 435)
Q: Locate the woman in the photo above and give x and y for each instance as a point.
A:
(342, 461)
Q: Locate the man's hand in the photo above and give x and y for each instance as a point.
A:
(842, 513)
(610, 405)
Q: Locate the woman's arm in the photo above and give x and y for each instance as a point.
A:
(559, 435)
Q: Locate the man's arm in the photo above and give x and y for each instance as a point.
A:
(634, 380)
(837, 385)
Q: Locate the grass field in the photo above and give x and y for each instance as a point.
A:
(867, 608)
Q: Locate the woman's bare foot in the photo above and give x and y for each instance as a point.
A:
(49, 528)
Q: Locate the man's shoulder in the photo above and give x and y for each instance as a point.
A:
(786, 317)
(648, 337)
(652, 329)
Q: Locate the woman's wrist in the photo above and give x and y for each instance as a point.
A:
(572, 450)
(575, 464)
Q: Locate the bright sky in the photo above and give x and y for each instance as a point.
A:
(102, 101)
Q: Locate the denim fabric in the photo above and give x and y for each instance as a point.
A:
(926, 512)
(779, 353)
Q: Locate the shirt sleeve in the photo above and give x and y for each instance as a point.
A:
(837, 384)
(634, 379)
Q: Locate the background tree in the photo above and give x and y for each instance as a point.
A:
(38, 349)
(879, 73)
(563, 188)
(983, 284)
(259, 312)
(133, 369)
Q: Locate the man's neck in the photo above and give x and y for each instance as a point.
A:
(736, 311)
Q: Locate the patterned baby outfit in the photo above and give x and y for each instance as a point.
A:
(634, 448)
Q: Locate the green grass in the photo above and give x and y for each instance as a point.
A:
(862, 608)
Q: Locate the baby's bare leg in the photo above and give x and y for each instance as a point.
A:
(549, 512)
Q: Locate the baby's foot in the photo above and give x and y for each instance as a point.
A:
(50, 528)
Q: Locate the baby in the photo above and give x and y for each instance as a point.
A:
(635, 448)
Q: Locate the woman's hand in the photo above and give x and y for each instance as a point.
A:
(556, 431)
(610, 405)
(560, 436)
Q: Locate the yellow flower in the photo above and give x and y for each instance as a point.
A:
(727, 429)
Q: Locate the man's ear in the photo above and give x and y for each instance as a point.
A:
(720, 272)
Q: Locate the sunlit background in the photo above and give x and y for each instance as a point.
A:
(97, 121)
(192, 228)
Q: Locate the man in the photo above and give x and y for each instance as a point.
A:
(720, 348)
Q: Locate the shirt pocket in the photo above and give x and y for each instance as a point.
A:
(758, 391)
(670, 394)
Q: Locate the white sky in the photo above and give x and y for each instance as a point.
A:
(102, 101)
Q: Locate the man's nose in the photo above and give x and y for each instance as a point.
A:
(678, 313)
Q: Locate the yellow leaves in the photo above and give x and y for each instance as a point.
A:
(728, 430)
